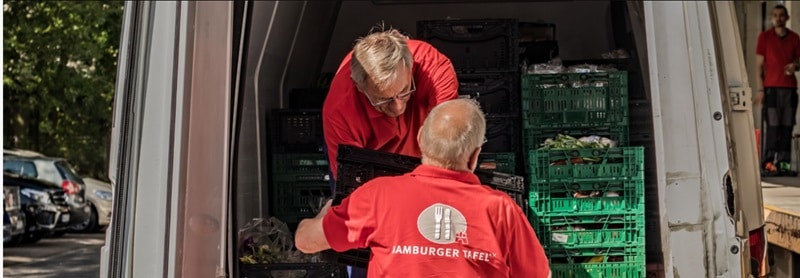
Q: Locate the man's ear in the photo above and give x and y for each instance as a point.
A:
(419, 135)
(473, 160)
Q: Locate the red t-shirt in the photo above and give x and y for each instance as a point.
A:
(778, 52)
(349, 118)
(481, 231)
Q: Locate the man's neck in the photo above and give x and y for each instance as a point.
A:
(781, 31)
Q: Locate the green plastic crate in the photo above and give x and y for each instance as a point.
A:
(560, 198)
(598, 231)
(289, 163)
(607, 253)
(499, 162)
(636, 269)
(294, 201)
(621, 163)
(575, 99)
(533, 138)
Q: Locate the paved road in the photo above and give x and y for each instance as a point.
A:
(71, 256)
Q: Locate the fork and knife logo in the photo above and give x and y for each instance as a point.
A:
(441, 223)
(438, 216)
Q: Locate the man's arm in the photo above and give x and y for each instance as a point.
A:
(310, 237)
(761, 50)
(760, 79)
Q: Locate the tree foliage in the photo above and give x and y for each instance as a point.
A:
(59, 70)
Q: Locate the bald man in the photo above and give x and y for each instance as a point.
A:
(416, 224)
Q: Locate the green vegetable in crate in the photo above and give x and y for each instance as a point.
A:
(565, 142)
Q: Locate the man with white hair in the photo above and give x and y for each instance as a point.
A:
(438, 220)
(382, 92)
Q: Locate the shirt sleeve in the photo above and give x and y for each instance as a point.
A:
(445, 83)
(796, 49)
(335, 128)
(761, 49)
(521, 239)
(351, 224)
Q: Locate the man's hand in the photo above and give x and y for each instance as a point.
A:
(310, 236)
(790, 68)
(325, 209)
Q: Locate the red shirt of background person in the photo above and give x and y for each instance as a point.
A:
(779, 51)
(379, 100)
(437, 221)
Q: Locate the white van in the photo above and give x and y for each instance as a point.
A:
(196, 81)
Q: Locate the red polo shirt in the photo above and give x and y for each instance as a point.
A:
(349, 118)
(778, 52)
(435, 222)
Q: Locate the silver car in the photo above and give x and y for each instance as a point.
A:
(100, 196)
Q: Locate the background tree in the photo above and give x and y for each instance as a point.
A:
(60, 61)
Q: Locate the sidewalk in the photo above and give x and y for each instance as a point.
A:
(782, 192)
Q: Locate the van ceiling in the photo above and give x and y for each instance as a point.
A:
(583, 28)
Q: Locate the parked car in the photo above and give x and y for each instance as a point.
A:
(99, 195)
(55, 170)
(44, 204)
(13, 216)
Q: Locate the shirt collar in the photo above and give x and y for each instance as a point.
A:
(437, 172)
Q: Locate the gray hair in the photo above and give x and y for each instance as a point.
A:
(379, 56)
(451, 133)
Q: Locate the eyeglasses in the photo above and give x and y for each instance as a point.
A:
(400, 96)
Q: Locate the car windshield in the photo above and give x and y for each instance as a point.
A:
(67, 172)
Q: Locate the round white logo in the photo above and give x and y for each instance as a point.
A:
(442, 224)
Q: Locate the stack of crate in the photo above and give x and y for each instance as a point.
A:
(587, 205)
(484, 53)
(299, 168)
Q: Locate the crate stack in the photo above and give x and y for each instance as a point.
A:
(587, 205)
(299, 169)
(485, 55)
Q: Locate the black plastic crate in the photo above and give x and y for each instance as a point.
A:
(503, 134)
(535, 31)
(292, 201)
(299, 167)
(474, 45)
(357, 257)
(297, 130)
(498, 93)
(277, 270)
(538, 52)
(358, 165)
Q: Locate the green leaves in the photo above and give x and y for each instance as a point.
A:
(59, 73)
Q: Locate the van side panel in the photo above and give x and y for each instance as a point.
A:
(690, 141)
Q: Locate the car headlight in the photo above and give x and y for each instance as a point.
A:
(39, 196)
(104, 195)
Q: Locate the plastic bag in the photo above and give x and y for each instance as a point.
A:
(264, 241)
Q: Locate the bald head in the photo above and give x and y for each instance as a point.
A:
(451, 133)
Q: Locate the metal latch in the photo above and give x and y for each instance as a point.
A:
(740, 98)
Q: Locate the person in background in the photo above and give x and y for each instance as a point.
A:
(778, 53)
(381, 93)
(438, 220)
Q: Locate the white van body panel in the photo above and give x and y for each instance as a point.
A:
(690, 143)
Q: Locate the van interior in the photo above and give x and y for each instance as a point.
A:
(291, 49)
